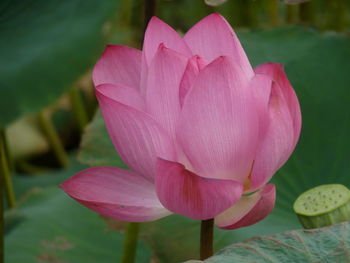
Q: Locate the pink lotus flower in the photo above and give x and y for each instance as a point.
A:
(198, 127)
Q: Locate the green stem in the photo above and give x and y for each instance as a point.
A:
(336, 14)
(2, 224)
(248, 13)
(78, 107)
(53, 138)
(306, 13)
(126, 13)
(206, 240)
(272, 11)
(130, 243)
(292, 14)
(31, 169)
(10, 161)
(5, 175)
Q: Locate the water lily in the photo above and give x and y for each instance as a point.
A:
(201, 130)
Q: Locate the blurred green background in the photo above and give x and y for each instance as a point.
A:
(47, 107)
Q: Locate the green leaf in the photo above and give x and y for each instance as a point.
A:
(51, 227)
(45, 47)
(318, 67)
(329, 244)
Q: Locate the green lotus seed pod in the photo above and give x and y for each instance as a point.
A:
(323, 206)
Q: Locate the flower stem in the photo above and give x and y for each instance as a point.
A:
(53, 138)
(336, 14)
(130, 243)
(78, 108)
(292, 14)
(306, 13)
(126, 13)
(5, 174)
(206, 242)
(10, 161)
(272, 11)
(2, 224)
(248, 15)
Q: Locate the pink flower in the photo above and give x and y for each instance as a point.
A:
(198, 127)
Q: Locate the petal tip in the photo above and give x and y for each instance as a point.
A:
(62, 186)
(99, 90)
(154, 24)
(214, 16)
(269, 189)
(68, 185)
(155, 20)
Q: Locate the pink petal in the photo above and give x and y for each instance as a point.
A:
(283, 130)
(213, 37)
(186, 193)
(249, 210)
(118, 65)
(261, 88)
(276, 71)
(123, 94)
(116, 193)
(194, 66)
(162, 95)
(158, 32)
(137, 137)
(218, 124)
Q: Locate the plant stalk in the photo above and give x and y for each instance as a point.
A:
(248, 13)
(9, 158)
(126, 13)
(78, 107)
(130, 243)
(336, 14)
(2, 223)
(53, 138)
(292, 15)
(206, 240)
(5, 175)
(306, 13)
(273, 12)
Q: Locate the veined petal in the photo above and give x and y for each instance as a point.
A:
(260, 86)
(144, 75)
(283, 130)
(122, 94)
(158, 32)
(194, 66)
(213, 37)
(118, 65)
(218, 124)
(276, 71)
(249, 210)
(116, 193)
(137, 137)
(186, 193)
(162, 94)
